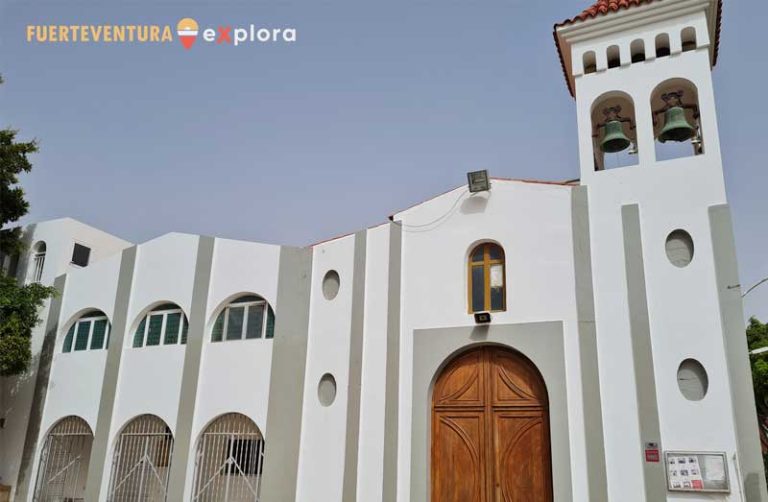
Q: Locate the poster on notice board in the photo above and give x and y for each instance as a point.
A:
(697, 472)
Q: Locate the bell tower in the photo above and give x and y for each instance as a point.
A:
(673, 363)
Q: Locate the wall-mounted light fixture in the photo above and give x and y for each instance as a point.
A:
(482, 317)
(478, 181)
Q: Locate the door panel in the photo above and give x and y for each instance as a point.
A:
(459, 457)
(521, 454)
(462, 382)
(490, 430)
(514, 381)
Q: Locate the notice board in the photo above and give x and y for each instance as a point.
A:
(694, 471)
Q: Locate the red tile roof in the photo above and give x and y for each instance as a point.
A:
(603, 7)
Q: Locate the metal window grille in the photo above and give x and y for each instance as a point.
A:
(64, 462)
(141, 461)
(39, 261)
(229, 461)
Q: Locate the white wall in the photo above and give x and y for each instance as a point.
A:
(75, 382)
(683, 306)
(532, 222)
(150, 377)
(323, 430)
(16, 392)
(235, 375)
(374, 375)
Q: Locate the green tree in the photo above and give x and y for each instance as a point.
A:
(757, 337)
(19, 304)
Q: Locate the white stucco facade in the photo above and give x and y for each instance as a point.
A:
(341, 395)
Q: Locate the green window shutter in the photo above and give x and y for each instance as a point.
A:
(270, 323)
(235, 323)
(218, 327)
(138, 338)
(184, 328)
(99, 333)
(68, 338)
(155, 329)
(109, 332)
(255, 321)
(172, 325)
(81, 337)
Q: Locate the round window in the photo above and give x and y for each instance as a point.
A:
(679, 248)
(326, 390)
(692, 380)
(331, 283)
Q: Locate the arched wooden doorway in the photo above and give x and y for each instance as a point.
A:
(490, 430)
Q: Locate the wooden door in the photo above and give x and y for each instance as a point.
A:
(490, 430)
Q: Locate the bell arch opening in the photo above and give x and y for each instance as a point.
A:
(676, 120)
(637, 50)
(614, 138)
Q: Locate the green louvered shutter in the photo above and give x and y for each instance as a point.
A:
(270, 323)
(68, 338)
(138, 337)
(218, 327)
(99, 333)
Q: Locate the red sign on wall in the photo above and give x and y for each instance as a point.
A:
(652, 452)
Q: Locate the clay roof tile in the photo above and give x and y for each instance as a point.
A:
(603, 7)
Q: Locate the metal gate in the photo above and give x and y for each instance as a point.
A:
(142, 461)
(229, 461)
(64, 462)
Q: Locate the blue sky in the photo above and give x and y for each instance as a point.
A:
(377, 106)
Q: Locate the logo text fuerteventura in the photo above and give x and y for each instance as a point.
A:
(187, 32)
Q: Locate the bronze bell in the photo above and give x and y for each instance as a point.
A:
(614, 140)
(676, 127)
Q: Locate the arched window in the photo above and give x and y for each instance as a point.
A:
(247, 317)
(662, 45)
(90, 331)
(688, 38)
(613, 55)
(64, 459)
(166, 324)
(38, 262)
(676, 120)
(637, 50)
(589, 61)
(230, 460)
(613, 131)
(487, 282)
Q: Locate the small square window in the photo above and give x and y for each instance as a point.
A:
(80, 255)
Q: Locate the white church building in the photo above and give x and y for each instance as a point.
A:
(513, 340)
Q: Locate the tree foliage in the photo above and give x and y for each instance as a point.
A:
(757, 337)
(19, 304)
(13, 161)
(19, 307)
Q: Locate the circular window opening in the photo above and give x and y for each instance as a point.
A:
(692, 380)
(331, 284)
(326, 390)
(679, 248)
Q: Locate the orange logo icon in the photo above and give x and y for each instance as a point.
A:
(187, 31)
